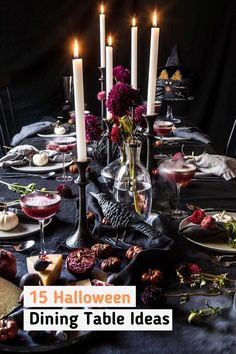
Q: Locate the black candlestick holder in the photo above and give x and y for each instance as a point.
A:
(102, 88)
(81, 237)
(150, 133)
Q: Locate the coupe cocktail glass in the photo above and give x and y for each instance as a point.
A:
(162, 128)
(178, 174)
(63, 145)
(40, 206)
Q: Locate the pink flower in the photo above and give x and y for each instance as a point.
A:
(101, 96)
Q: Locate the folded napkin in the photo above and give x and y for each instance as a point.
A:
(22, 155)
(199, 234)
(218, 165)
(30, 130)
(103, 232)
(191, 133)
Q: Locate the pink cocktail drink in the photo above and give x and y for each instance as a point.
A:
(64, 146)
(40, 206)
(162, 127)
(179, 174)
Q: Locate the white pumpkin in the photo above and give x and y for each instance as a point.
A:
(8, 220)
(40, 159)
(59, 130)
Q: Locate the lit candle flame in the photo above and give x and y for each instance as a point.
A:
(102, 9)
(154, 19)
(76, 49)
(109, 40)
(133, 22)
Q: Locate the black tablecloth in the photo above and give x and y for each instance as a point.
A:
(215, 336)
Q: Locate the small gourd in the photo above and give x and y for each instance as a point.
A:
(40, 159)
(59, 130)
(8, 220)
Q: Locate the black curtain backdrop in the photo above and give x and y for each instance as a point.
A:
(36, 41)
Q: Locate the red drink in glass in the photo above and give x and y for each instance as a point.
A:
(40, 206)
(63, 145)
(162, 127)
(179, 174)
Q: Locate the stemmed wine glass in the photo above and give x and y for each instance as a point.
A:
(169, 113)
(40, 206)
(178, 174)
(63, 145)
(162, 128)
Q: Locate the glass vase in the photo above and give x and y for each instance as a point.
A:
(109, 172)
(132, 184)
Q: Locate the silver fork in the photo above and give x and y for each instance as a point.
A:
(217, 259)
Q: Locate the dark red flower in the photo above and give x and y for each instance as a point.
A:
(151, 295)
(114, 133)
(120, 98)
(197, 216)
(93, 130)
(64, 191)
(121, 74)
(185, 271)
(138, 116)
(194, 268)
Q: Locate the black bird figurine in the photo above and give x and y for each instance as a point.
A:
(121, 217)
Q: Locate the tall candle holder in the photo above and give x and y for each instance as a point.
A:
(102, 88)
(149, 133)
(81, 237)
(107, 134)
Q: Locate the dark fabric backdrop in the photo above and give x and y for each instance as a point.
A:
(36, 40)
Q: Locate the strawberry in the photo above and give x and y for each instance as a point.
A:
(197, 216)
(208, 222)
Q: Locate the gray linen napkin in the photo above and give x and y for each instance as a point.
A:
(218, 165)
(22, 155)
(30, 130)
(191, 134)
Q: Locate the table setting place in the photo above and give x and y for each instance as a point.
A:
(131, 197)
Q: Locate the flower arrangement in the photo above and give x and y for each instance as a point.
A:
(92, 128)
(121, 101)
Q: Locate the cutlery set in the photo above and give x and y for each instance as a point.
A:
(224, 260)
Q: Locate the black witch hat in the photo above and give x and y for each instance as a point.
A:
(174, 63)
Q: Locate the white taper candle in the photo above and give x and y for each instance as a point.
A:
(109, 71)
(79, 105)
(153, 63)
(134, 54)
(102, 37)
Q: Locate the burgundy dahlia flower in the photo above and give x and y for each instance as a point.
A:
(121, 74)
(120, 98)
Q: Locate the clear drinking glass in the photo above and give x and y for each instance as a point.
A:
(178, 175)
(64, 146)
(162, 128)
(40, 206)
(169, 113)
